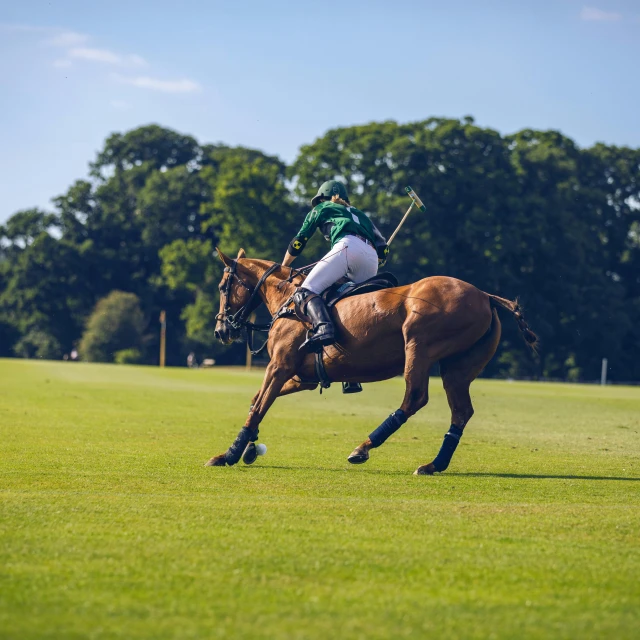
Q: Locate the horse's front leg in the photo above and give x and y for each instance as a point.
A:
(274, 379)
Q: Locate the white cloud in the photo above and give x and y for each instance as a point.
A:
(63, 63)
(136, 61)
(154, 84)
(597, 15)
(106, 56)
(95, 55)
(74, 44)
(67, 39)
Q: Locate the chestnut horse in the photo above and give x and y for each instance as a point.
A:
(379, 335)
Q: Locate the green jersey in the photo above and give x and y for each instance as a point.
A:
(335, 221)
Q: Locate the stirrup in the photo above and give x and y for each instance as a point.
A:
(351, 387)
(315, 342)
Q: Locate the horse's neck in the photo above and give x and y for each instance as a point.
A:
(274, 291)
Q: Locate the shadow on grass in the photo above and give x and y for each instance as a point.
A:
(533, 476)
(387, 472)
(359, 468)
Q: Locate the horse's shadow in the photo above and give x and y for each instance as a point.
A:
(534, 476)
(377, 472)
(471, 474)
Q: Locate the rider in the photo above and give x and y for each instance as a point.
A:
(357, 249)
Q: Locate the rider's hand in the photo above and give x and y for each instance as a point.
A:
(383, 253)
(288, 259)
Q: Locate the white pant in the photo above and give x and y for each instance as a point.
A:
(349, 257)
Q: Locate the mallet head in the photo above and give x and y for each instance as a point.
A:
(412, 194)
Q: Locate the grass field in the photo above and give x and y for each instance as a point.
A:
(111, 527)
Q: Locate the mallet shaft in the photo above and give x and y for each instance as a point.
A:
(414, 200)
(395, 233)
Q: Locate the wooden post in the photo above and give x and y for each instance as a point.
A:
(603, 371)
(163, 336)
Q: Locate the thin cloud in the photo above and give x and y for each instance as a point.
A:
(106, 56)
(591, 14)
(73, 43)
(154, 84)
(67, 39)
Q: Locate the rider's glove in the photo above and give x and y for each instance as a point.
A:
(383, 253)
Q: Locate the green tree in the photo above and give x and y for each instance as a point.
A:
(248, 204)
(169, 206)
(156, 146)
(117, 323)
(23, 227)
(47, 288)
(38, 344)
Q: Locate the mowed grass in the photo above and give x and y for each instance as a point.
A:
(111, 527)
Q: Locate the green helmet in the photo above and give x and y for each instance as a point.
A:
(329, 189)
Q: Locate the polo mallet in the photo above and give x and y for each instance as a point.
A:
(414, 200)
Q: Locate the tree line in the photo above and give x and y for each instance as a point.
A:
(529, 215)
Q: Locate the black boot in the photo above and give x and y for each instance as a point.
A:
(323, 332)
(351, 387)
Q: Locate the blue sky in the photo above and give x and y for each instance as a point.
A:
(276, 75)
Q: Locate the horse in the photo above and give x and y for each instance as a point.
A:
(380, 335)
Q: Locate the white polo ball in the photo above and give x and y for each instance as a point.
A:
(261, 449)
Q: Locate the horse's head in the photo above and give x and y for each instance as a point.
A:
(234, 294)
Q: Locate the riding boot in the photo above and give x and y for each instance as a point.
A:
(323, 331)
(351, 387)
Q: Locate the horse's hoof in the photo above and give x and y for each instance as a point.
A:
(216, 461)
(250, 453)
(358, 456)
(425, 470)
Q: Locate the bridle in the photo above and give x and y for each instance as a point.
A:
(239, 320)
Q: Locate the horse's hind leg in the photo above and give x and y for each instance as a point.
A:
(416, 396)
(458, 372)
(457, 389)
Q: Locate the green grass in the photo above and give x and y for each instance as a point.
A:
(111, 527)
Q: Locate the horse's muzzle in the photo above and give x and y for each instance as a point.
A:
(226, 334)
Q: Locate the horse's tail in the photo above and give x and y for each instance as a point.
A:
(513, 307)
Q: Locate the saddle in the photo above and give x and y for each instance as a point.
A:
(346, 288)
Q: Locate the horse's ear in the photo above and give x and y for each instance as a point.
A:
(226, 259)
(241, 254)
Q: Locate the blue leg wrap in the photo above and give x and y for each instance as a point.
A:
(388, 427)
(236, 450)
(451, 439)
